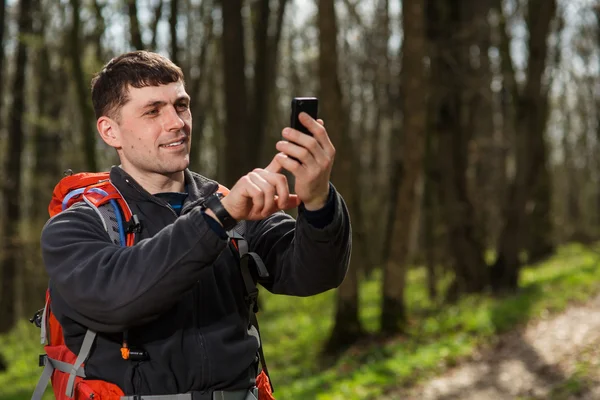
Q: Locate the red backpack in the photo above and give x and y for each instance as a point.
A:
(63, 368)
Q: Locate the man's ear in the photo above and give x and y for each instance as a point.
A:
(109, 131)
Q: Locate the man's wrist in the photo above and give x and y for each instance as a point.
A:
(211, 214)
(317, 203)
(215, 209)
(324, 216)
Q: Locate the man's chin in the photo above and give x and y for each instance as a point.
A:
(175, 168)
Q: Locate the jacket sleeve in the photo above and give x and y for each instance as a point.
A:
(108, 287)
(303, 260)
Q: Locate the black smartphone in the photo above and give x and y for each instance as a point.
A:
(309, 105)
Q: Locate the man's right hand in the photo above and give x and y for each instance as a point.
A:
(259, 194)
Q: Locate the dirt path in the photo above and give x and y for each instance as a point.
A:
(553, 358)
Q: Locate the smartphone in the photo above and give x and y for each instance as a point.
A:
(309, 105)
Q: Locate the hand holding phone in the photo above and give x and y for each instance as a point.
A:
(307, 156)
(309, 105)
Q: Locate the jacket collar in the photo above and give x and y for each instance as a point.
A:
(198, 186)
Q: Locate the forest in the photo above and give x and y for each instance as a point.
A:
(467, 135)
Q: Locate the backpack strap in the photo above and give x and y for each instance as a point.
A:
(51, 364)
(114, 212)
(84, 352)
(237, 239)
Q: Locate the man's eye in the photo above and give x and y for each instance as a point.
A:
(152, 112)
(182, 106)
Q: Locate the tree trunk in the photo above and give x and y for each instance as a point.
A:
(430, 216)
(265, 52)
(347, 328)
(596, 221)
(11, 210)
(134, 25)
(570, 207)
(202, 87)
(450, 58)
(483, 178)
(46, 170)
(99, 30)
(154, 26)
(531, 153)
(260, 95)
(238, 158)
(408, 205)
(540, 241)
(88, 127)
(2, 55)
(46, 135)
(173, 30)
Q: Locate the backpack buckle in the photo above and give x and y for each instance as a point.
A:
(252, 300)
(37, 318)
(134, 225)
(42, 360)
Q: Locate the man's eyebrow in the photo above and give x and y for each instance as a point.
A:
(160, 103)
(154, 103)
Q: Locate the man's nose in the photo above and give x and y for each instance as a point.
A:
(172, 120)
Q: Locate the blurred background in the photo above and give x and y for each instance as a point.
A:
(467, 135)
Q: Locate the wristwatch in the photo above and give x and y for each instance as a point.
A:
(213, 203)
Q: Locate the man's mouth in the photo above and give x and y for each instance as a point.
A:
(174, 144)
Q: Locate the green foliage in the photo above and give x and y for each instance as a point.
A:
(21, 350)
(438, 336)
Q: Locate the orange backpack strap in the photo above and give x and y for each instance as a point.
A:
(96, 190)
(68, 189)
(105, 194)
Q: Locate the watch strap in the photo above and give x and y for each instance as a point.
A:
(213, 203)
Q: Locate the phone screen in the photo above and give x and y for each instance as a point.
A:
(309, 105)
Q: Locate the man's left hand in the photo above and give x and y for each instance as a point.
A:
(314, 160)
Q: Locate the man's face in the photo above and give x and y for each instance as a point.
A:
(154, 130)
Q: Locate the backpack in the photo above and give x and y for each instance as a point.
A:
(63, 368)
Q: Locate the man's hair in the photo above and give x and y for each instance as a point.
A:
(110, 87)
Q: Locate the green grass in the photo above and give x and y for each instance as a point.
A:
(21, 350)
(437, 337)
(295, 329)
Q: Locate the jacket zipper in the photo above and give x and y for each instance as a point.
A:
(196, 290)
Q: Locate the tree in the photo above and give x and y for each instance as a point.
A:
(236, 97)
(46, 137)
(347, 328)
(11, 211)
(447, 30)
(408, 205)
(134, 25)
(265, 61)
(2, 53)
(174, 15)
(530, 150)
(100, 27)
(539, 240)
(154, 26)
(88, 127)
(202, 85)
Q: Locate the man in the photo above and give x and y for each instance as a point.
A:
(177, 295)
